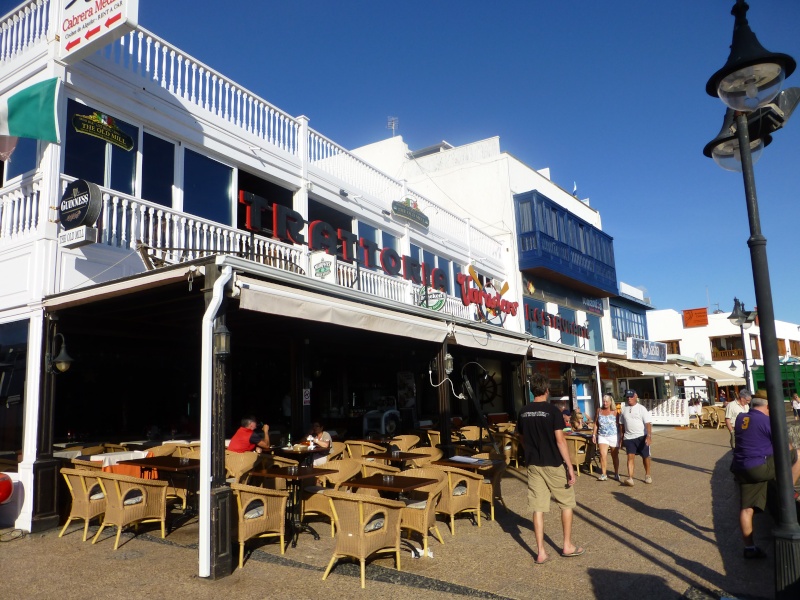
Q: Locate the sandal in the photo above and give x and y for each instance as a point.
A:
(754, 552)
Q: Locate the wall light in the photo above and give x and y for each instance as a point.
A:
(63, 361)
(222, 341)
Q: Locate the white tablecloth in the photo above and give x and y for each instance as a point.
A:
(112, 458)
(68, 454)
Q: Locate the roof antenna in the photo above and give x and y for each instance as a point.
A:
(392, 123)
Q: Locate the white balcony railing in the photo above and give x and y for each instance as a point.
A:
(23, 28)
(20, 211)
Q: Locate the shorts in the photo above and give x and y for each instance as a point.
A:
(796, 412)
(544, 482)
(611, 440)
(637, 446)
(753, 484)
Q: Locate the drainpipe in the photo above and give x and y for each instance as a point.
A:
(206, 391)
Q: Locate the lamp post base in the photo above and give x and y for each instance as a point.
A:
(787, 562)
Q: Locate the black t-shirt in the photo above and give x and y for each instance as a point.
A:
(537, 423)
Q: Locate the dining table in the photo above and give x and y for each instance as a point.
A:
(178, 471)
(467, 462)
(295, 476)
(110, 459)
(391, 485)
(396, 457)
(304, 455)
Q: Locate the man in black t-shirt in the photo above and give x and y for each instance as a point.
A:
(550, 473)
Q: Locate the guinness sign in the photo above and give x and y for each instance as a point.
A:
(80, 205)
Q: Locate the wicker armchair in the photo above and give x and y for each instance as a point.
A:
(405, 442)
(313, 499)
(115, 447)
(130, 501)
(461, 495)
(434, 437)
(270, 460)
(419, 513)
(357, 449)
(371, 467)
(164, 450)
(239, 464)
(92, 450)
(430, 454)
(490, 486)
(510, 445)
(720, 412)
(262, 513)
(365, 525)
(88, 499)
(87, 465)
(337, 451)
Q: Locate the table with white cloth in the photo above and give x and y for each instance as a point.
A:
(109, 459)
(68, 454)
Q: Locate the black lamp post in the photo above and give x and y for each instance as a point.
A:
(747, 84)
(744, 319)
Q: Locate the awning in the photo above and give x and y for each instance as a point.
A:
(285, 301)
(484, 340)
(650, 369)
(721, 377)
(543, 352)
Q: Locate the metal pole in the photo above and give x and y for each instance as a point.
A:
(787, 531)
(744, 360)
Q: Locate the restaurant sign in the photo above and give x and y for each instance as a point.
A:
(639, 349)
(409, 209)
(85, 26)
(80, 205)
(545, 319)
(104, 127)
(427, 297)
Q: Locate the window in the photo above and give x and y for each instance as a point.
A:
(389, 241)
(13, 370)
(207, 188)
(100, 148)
(727, 348)
(595, 333)
(158, 169)
(22, 160)
(781, 347)
(673, 347)
(444, 266)
(794, 347)
(625, 323)
(534, 324)
(568, 315)
(755, 349)
(369, 233)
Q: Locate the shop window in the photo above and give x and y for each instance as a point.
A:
(158, 169)
(595, 333)
(13, 367)
(23, 160)
(100, 148)
(207, 188)
(626, 323)
(568, 315)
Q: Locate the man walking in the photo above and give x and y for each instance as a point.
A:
(637, 430)
(734, 409)
(753, 467)
(550, 473)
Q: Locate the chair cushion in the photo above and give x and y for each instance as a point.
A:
(135, 497)
(254, 510)
(97, 496)
(419, 504)
(374, 524)
(460, 490)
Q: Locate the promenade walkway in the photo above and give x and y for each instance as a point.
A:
(678, 537)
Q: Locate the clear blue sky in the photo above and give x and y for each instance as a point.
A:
(610, 95)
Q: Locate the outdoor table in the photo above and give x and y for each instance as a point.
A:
(305, 456)
(472, 464)
(399, 457)
(68, 454)
(174, 465)
(294, 483)
(396, 485)
(109, 459)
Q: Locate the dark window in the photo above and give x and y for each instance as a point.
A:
(207, 188)
(534, 323)
(568, 315)
(158, 169)
(22, 160)
(13, 367)
(595, 333)
(444, 265)
(369, 233)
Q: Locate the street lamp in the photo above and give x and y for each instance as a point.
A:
(744, 319)
(750, 80)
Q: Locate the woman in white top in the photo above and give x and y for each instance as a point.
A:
(606, 434)
(796, 406)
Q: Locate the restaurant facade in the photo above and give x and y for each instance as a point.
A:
(178, 253)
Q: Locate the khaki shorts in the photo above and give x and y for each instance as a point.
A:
(544, 482)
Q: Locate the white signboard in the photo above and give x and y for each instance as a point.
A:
(85, 26)
(80, 236)
(323, 266)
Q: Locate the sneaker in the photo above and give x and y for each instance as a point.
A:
(616, 476)
(754, 552)
(648, 479)
(628, 482)
(602, 478)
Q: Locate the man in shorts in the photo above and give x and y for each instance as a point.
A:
(637, 429)
(550, 474)
(742, 404)
(753, 467)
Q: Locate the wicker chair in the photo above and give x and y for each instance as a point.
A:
(92, 450)
(239, 464)
(337, 451)
(490, 486)
(510, 445)
(115, 448)
(720, 412)
(87, 465)
(694, 421)
(357, 449)
(165, 450)
(365, 525)
(434, 437)
(371, 467)
(430, 454)
(419, 513)
(262, 513)
(461, 495)
(405, 442)
(88, 500)
(313, 499)
(271, 460)
(130, 501)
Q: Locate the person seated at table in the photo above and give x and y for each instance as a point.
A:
(321, 438)
(577, 420)
(248, 437)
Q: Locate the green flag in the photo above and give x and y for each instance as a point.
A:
(32, 112)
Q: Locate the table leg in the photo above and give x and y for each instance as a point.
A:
(296, 524)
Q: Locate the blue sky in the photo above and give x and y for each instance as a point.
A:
(610, 95)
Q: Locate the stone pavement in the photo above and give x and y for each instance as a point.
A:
(678, 537)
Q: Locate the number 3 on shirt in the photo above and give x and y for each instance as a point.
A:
(745, 422)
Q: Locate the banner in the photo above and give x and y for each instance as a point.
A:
(32, 112)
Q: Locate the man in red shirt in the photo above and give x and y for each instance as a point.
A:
(247, 439)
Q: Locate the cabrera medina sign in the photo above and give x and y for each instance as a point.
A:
(78, 211)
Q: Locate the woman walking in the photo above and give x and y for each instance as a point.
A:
(605, 435)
